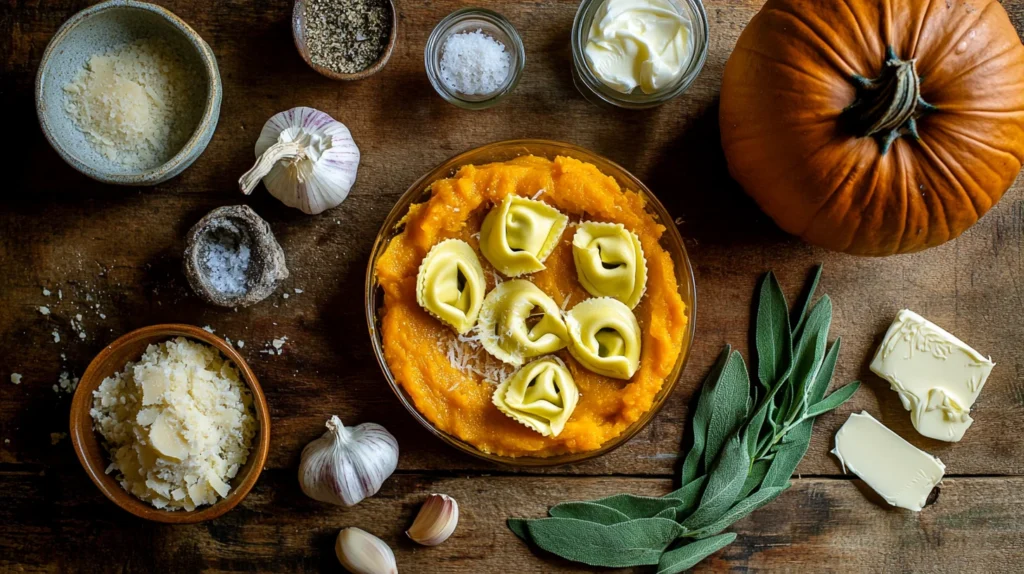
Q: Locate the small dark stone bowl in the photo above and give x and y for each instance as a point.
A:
(266, 258)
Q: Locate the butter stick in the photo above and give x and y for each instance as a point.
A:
(937, 376)
(898, 471)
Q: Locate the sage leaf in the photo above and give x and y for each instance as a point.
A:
(724, 484)
(774, 341)
(669, 513)
(635, 506)
(741, 509)
(758, 471)
(753, 430)
(810, 353)
(589, 511)
(687, 497)
(686, 557)
(788, 455)
(633, 543)
(729, 406)
(824, 374)
(840, 396)
(518, 527)
(692, 464)
(802, 314)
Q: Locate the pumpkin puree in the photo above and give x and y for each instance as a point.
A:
(416, 344)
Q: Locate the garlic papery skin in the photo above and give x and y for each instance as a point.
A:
(306, 158)
(436, 520)
(346, 465)
(363, 553)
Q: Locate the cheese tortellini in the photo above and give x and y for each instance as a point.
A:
(450, 284)
(519, 321)
(542, 395)
(604, 337)
(519, 234)
(610, 261)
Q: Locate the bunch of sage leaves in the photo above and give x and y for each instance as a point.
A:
(747, 441)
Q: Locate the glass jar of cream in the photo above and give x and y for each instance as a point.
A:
(638, 53)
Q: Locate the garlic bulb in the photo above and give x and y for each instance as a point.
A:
(346, 465)
(363, 553)
(306, 158)
(436, 520)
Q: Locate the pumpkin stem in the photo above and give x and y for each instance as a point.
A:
(888, 106)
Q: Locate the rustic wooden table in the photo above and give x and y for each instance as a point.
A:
(113, 256)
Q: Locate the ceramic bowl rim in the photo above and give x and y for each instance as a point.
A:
(190, 150)
(81, 428)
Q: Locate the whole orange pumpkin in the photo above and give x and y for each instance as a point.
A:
(875, 126)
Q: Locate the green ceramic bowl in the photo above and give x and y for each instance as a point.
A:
(96, 30)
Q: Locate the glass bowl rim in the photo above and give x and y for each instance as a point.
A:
(631, 100)
(447, 168)
(433, 45)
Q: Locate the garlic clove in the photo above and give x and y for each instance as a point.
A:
(346, 465)
(436, 520)
(363, 553)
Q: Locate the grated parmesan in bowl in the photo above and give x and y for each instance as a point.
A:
(178, 424)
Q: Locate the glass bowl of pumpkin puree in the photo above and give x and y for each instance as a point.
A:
(446, 381)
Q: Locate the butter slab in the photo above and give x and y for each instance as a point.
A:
(898, 471)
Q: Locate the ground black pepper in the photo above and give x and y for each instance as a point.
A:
(347, 36)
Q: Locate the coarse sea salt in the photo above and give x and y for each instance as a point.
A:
(227, 260)
(474, 63)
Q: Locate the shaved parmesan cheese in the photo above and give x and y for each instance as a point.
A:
(178, 424)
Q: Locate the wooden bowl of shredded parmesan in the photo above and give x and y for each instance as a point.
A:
(171, 424)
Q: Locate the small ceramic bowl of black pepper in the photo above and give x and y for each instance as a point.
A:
(345, 39)
(474, 58)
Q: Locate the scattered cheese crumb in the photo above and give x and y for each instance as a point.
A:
(44, 310)
(208, 329)
(241, 344)
(16, 378)
(298, 291)
(285, 295)
(56, 336)
(46, 292)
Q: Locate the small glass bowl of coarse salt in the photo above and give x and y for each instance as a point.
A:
(474, 58)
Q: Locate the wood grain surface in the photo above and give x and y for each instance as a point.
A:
(114, 254)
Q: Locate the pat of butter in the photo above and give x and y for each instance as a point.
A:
(898, 471)
(937, 376)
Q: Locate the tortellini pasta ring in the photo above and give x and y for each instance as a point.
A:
(519, 321)
(518, 234)
(450, 284)
(610, 261)
(604, 336)
(541, 395)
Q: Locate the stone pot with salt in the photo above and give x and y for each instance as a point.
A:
(232, 258)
